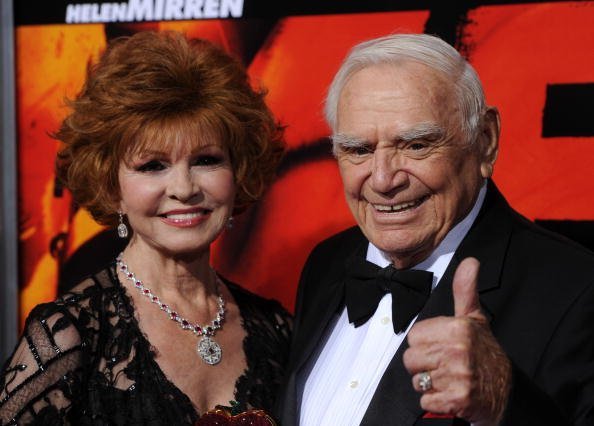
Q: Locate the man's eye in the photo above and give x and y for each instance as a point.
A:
(207, 160)
(151, 166)
(358, 150)
(417, 146)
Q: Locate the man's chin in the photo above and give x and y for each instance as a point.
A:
(403, 253)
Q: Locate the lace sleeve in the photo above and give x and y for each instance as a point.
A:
(39, 380)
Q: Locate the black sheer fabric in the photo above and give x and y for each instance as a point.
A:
(84, 361)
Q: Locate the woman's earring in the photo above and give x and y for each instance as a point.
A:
(122, 228)
(230, 222)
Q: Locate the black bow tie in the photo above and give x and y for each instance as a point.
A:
(367, 283)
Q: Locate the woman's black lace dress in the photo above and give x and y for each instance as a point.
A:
(84, 361)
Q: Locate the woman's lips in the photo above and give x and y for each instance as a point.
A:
(185, 218)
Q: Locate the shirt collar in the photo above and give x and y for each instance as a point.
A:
(440, 258)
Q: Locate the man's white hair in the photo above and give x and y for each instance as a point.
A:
(422, 48)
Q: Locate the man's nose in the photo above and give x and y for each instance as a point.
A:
(387, 173)
(182, 184)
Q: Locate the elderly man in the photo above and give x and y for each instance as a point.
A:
(396, 322)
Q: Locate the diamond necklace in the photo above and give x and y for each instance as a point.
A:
(207, 348)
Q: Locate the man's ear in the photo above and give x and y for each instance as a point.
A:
(488, 141)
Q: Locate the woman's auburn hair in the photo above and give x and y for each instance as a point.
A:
(151, 84)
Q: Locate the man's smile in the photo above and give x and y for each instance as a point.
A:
(400, 207)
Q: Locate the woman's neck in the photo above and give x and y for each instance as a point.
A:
(187, 277)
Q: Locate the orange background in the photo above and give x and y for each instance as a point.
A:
(516, 49)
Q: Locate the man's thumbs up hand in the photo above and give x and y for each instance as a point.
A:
(466, 300)
(470, 375)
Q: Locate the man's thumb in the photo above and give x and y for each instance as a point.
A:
(466, 300)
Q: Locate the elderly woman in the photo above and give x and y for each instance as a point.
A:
(166, 141)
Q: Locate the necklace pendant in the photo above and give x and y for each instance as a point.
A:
(209, 350)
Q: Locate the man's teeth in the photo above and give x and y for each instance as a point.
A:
(183, 216)
(395, 208)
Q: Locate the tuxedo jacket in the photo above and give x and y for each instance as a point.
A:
(535, 287)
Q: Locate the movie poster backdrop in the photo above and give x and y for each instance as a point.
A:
(536, 61)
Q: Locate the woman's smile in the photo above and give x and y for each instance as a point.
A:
(186, 218)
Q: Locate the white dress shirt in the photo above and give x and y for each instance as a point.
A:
(352, 360)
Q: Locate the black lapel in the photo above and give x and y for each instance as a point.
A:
(488, 241)
(395, 399)
(327, 278)
(328, 298)
(322, 310)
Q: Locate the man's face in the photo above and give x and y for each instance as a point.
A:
(409, 174)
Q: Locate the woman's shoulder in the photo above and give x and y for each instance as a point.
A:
(81, 301)
(104, 279)
(261, 310)
(97, 285)
(245, 296)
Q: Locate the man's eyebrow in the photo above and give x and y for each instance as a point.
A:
(420, 131)
(347, 141)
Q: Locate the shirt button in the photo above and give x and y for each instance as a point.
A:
(353, 384)
(385, 320)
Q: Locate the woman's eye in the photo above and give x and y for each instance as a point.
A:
(151, 166)
(207, 160)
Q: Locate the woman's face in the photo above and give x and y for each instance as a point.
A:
(177, 200)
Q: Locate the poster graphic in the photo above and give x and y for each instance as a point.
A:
(535, 59)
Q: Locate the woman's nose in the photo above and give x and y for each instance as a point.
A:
(182, 184)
